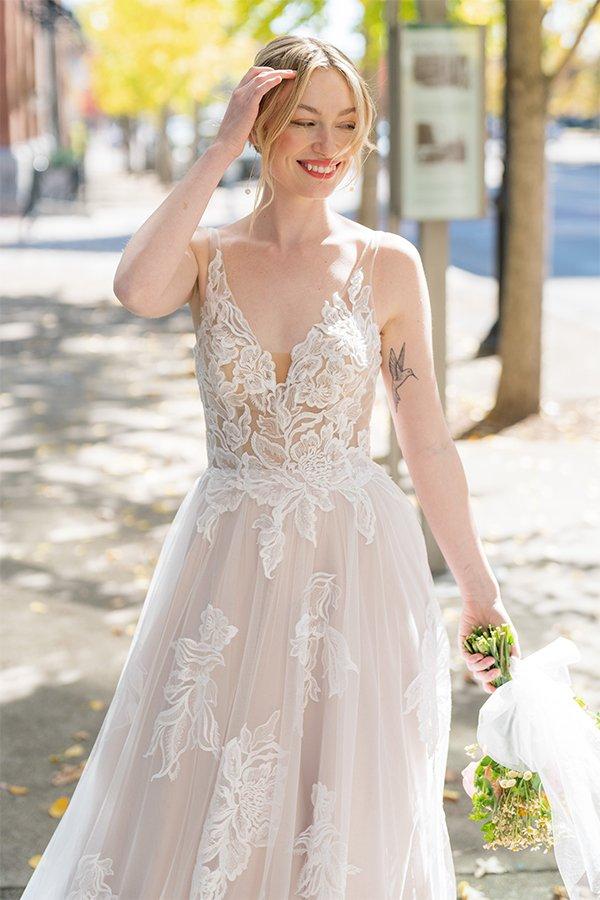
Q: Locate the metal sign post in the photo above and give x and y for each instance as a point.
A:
(437, 142)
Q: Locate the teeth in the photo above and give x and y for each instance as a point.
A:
(321, 169)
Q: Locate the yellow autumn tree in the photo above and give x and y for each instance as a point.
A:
(156, 58)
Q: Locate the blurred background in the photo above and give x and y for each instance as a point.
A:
(104, 105)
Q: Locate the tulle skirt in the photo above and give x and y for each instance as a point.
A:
(272, 737)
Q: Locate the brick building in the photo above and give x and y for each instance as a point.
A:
(41, 47)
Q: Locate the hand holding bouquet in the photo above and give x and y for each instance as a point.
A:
(482, 647)
(535, 781)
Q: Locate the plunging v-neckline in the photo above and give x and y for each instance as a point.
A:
(299, 345)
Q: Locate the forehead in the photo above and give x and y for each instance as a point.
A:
(326, 91)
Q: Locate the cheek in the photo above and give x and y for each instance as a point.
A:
(290, 141)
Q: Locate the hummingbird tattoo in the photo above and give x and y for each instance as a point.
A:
(398, 372)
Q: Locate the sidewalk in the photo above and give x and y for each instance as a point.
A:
(104, 435)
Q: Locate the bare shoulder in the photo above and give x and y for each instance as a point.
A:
(396, 250)
(397, 276)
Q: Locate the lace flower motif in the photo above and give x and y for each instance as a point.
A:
(313, 632)
(189, 720)
(325, 868)
(429, 691)
(241, 808)
(89, 880)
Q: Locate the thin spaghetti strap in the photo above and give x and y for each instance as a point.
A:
(214, 240)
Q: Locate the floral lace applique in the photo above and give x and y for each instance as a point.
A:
(313, 631)
(430, 690)
(325, 869)
(290, 446)
(134, 676)
(241, 808)
(89, 880)
(189, 720)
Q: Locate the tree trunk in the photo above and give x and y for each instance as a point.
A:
(524, 264)
(126, 128)
(368, 212)
(164, 168)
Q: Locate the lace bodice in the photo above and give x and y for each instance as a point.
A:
(290, 445)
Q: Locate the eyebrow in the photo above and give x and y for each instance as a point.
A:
(312, 109)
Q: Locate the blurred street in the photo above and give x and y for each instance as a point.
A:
(104, 434)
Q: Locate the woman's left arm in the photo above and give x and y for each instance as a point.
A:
(432, 459)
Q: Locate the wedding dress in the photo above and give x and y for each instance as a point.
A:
(280, 726)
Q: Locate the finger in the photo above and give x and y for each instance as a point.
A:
(470, 657)
(263, 84)
(261, 71)
(482, 664)
(490, 675)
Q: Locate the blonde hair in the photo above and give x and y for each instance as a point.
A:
(304, 55)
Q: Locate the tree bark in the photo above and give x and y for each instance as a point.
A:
(520, 337)
(368, 211)
(164, 168)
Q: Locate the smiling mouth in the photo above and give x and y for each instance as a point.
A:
(319, 175)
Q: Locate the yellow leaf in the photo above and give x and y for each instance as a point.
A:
(34, 860)
(58, 808)
(97, 704)
(450, 794)
(37, 606)
(18, 789)
(74, 750)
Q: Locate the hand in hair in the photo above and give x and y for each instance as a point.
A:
(242, 109)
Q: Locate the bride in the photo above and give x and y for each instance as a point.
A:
(280, 727)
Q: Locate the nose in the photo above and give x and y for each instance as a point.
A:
(327, 141)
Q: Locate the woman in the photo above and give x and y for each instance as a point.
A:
(280, 727)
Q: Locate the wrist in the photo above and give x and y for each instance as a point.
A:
(482, 595)
(221, 152)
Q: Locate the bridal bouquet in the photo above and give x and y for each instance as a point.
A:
(535, 777)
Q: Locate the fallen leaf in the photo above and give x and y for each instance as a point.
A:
(37, 606)
(18, 789)
(450, 794)
(489, 866)
(68, 773)
(74, 750)
(34, 860)
(82, 735)
(15, 789)
(57, 809)
(466, 892)
(97, 704)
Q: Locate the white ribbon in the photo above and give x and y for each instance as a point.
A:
(533, 722)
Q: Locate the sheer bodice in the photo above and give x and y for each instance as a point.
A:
(292, 444)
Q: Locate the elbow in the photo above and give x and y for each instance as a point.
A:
(128, 299)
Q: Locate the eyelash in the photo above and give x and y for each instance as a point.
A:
(352, 127)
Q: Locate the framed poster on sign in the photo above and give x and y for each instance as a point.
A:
(442, 121)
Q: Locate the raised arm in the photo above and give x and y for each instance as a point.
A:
(158, 269)
(423, 435)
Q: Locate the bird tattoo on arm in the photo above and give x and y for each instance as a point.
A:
(398, 372)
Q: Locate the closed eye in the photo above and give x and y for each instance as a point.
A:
(349, 125)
